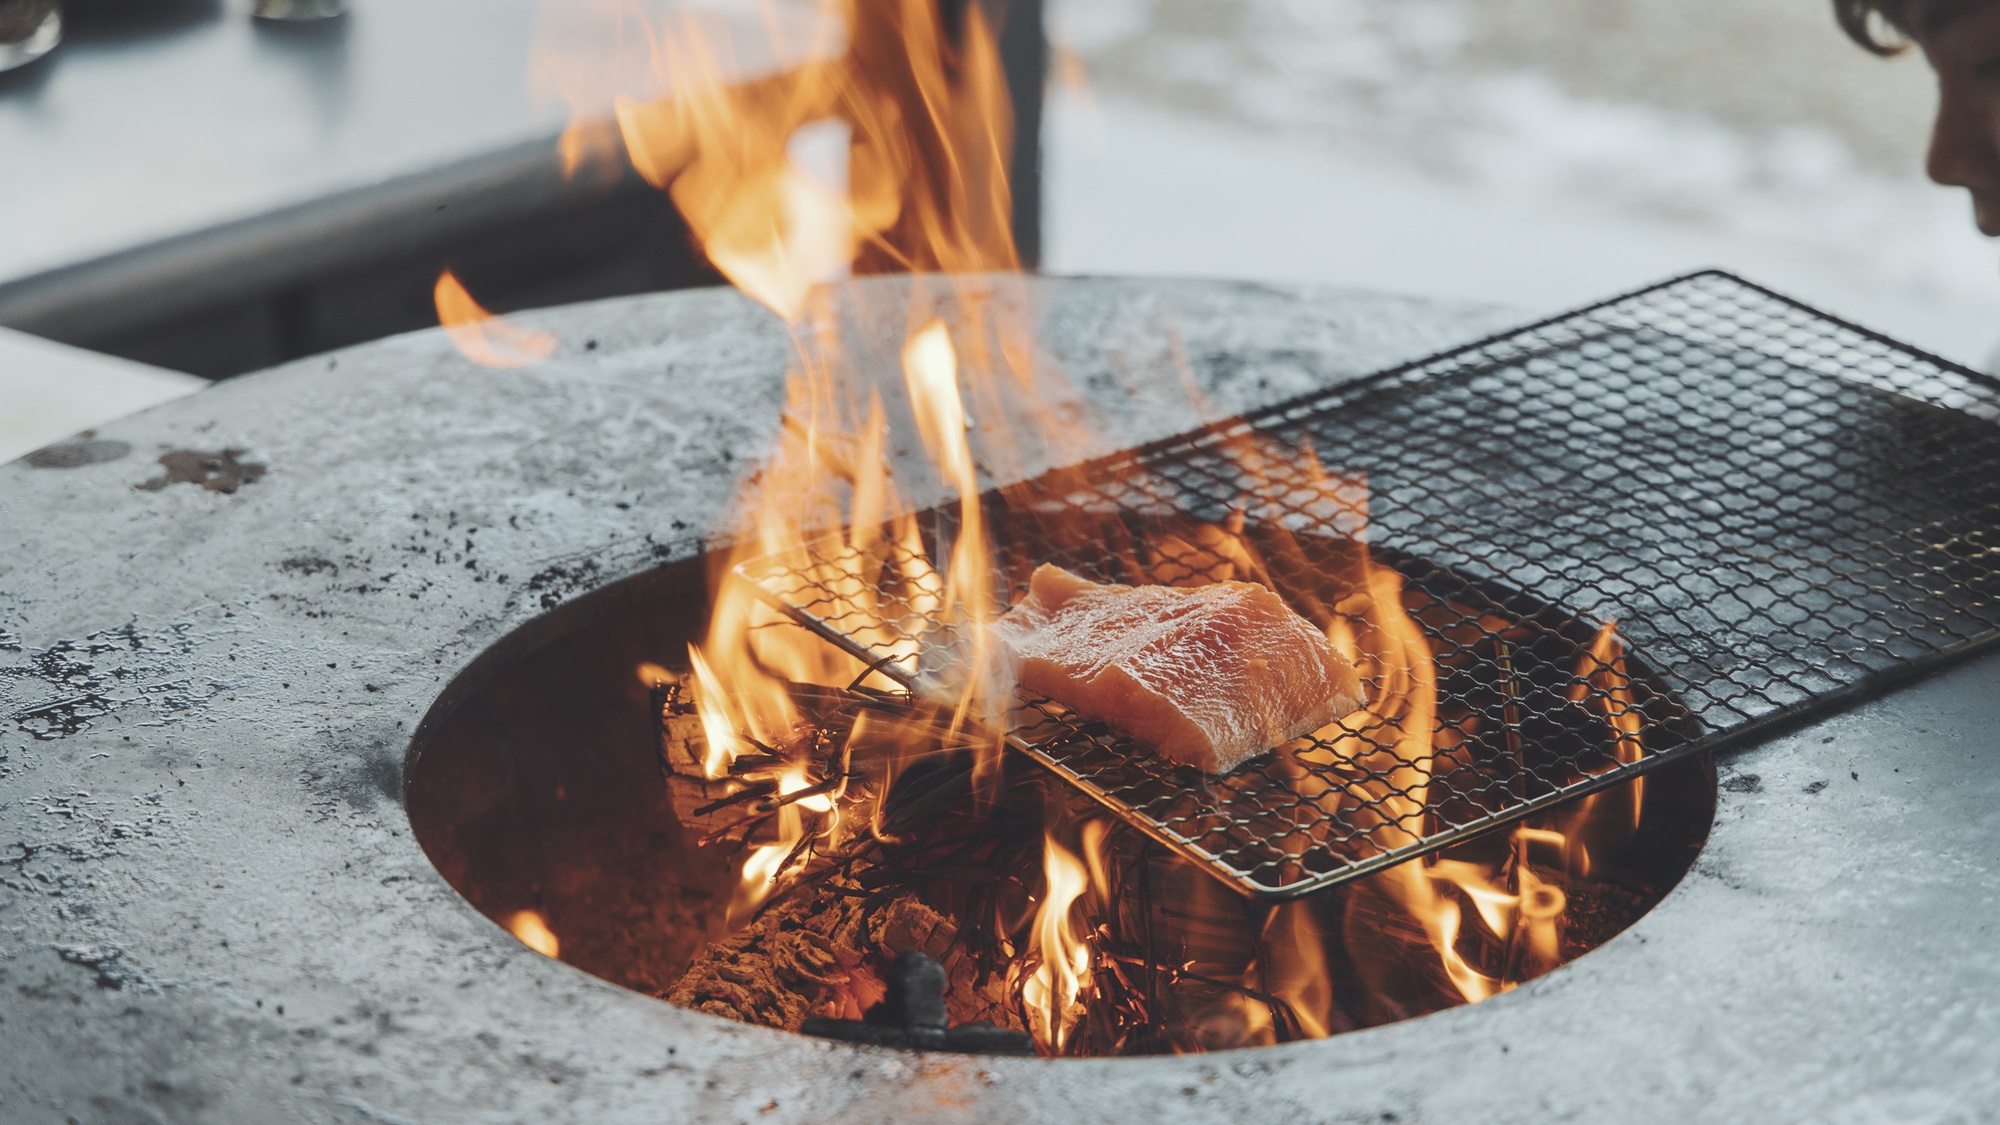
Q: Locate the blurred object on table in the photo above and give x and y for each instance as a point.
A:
(299, 9)
(29, 29)
(51, 391)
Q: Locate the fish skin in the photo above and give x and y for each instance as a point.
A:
(1209, 676)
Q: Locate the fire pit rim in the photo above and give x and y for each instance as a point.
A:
(1696, 1005)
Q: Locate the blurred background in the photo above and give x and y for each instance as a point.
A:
(1538, 153)
(191, 193)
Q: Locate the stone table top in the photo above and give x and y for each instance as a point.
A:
(212, 908)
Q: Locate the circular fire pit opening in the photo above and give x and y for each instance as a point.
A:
(536, 786)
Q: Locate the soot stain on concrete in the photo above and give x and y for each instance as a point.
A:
(80, 681)
(77, 454)
(309, 565)
(557, 583)
(383, 772)
(70, 669)
(365, 769)
(216, 472)
(553, 585)
(1744, 783)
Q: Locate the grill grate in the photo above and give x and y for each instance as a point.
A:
(1780, 511)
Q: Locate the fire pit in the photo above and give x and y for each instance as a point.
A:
(1095, 934)
(539, 795)
(213, 909)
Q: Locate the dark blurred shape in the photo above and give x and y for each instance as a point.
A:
(299, 10)
(912, 1016)
(132, 21)
(29, 29)
(1024, 52)
(360, 264)
(77, 454)
(315, 51)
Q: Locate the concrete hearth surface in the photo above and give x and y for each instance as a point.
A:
(212, 909)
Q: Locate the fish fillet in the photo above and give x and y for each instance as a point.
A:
(1208, 676)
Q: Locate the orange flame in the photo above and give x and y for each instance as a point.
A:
(480, 336)
(1298, 972)
(925, 115)
(1512, 902)
(1601, 673)
(720, 721)
(930, 369)
(869, 138)
(922, 124)
(1394, 740)
(765, 865)
(1053, 990)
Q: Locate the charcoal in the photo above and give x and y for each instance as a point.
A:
(916, 994)
(913, 1016)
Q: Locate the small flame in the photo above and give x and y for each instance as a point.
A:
(766, 864)
(533, 931)
(480, 336)
(1053, 991)
(1602, 674)
(718, 722)
(1298, 972)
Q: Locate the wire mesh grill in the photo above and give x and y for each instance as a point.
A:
(1780, 512)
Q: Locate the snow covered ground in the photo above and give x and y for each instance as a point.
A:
(1534, 153)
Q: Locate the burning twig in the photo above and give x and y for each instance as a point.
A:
(749, 792)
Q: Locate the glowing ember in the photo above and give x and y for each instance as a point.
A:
(533, 931)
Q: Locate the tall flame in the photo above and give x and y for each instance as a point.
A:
(930, 368)
(720, 722)
(1053, 990)
(918, 112)
(923, 104)
(1395, 740)
(870, 137)
(1406, 709)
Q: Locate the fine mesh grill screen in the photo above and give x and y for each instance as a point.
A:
(1779, 511)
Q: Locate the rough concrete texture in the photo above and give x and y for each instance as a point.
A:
(212, 909)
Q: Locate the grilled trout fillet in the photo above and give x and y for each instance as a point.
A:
(1208, 677)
